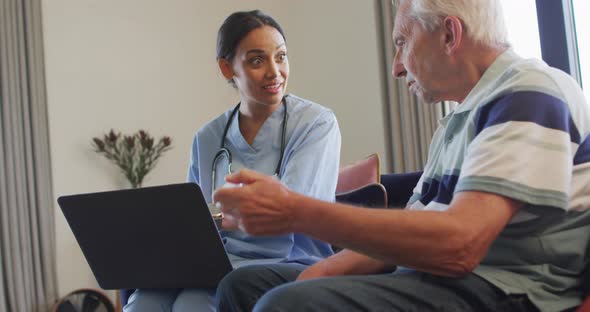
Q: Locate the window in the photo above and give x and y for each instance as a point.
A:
(523, 29)
(582, 25)
(560, 44)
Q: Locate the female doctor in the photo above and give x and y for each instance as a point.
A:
(269, 131)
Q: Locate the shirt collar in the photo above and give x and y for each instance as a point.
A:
(482, 88)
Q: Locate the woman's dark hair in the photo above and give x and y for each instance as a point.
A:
(237, 26)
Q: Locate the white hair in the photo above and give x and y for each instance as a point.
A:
(483, 20)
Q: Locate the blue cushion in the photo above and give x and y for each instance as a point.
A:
(400, 187)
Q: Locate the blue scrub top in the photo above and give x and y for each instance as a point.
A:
(310, 167)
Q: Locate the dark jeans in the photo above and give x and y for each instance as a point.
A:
(271, 288)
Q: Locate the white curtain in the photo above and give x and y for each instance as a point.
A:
(27, 247)
(410, 124)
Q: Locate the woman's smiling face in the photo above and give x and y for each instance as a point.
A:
(260, 68)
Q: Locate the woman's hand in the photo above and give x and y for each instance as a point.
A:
(228, 224)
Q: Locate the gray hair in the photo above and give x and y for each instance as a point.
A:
(483, 20)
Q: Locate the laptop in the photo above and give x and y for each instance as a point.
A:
(151, 237)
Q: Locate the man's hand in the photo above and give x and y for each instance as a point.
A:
(261, 206)
(345, 262)
(316, 270)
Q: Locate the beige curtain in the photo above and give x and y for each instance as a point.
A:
(27, 246)
(409, 123)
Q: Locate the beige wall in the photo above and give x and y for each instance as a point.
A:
(151, 64)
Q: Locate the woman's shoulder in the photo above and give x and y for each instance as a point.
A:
(307, 108)
(216, 125)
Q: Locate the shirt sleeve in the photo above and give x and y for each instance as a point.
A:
(416, 192)
(193, 168)
(522, 148)
(312, 164)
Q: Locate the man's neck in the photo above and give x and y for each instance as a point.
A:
(475, 62)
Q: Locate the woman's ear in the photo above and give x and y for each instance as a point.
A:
(226, 68)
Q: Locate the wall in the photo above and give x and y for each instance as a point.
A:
(151, 64)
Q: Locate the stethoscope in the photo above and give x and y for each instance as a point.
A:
(225, 152)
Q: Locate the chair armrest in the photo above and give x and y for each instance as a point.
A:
(372, 195)
(358, 174)
(400, 187)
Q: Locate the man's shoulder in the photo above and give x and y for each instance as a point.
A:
(531, 85)
(531, 75)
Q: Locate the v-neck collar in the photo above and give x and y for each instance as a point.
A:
(264, 135)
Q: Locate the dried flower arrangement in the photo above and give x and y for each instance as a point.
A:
(136, 154)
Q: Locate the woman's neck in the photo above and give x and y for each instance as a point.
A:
(251, 118)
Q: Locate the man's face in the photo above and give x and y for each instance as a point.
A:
(419, 56)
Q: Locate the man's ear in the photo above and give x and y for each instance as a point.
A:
(453, 33)
(226, 68)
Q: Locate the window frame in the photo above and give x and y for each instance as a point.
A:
(557, 32)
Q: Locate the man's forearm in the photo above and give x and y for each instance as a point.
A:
(438, 242)
(450, 242)
(377, 233)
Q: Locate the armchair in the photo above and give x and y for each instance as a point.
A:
(359, 183)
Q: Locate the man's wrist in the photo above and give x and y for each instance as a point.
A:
(306, 213)
(295, 205)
